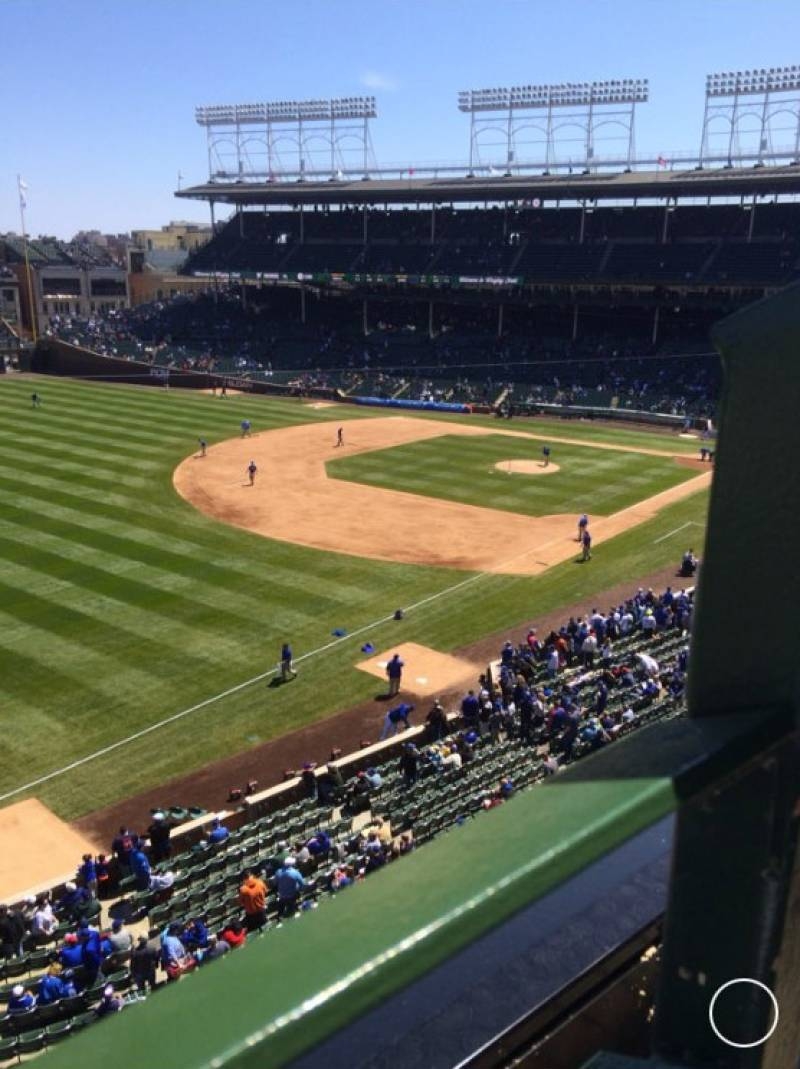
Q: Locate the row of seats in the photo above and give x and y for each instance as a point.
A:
(761, 261)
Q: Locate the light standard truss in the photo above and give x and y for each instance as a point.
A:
(317, 137)
(585, 106)
(757, 107)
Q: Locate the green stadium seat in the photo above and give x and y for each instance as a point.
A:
(56, 1032)
(73, 1005)
(121, 980)
(8, 1049)
(88, 1017)
(45, 1015)
(30, 1042)
(17, 966)
(39, 960)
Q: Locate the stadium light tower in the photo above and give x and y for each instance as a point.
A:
(587, 105)
(244, 139)
(760, 94)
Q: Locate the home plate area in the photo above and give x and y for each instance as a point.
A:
(426, 673)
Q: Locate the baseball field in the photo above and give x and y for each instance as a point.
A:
(145, 590)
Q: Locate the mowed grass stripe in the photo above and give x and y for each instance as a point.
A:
(136, 541)
(464, 469)
(162, 589)
(488, 603)
(115, 472)
(98, 549)
(267, 569)
(171, 418)
(104, 620)
(33, 622)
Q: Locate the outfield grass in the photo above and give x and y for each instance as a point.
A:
(121, 605)
(460, 468)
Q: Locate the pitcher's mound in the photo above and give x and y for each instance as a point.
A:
(526, 467)
(426, 672)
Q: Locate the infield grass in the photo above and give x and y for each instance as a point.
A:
(465, 469)
(121, 605)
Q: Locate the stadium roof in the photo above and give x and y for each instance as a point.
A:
(724, 182)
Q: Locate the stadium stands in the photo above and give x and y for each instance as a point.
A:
(602, 244)
(549, 701)
(260, 336)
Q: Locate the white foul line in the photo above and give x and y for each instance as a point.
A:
(683, 526)
(234, 690)
(272, 671)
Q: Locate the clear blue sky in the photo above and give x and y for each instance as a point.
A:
(99, 97)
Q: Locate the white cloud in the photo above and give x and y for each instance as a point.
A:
(376, 80)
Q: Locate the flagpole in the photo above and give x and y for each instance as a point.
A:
(31, 305)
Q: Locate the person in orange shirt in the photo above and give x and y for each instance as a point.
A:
(253, 900)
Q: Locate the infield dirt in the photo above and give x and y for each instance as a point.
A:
(294, 500)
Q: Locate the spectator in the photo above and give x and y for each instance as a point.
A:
(125, 842)
(216, 948)
(162, 881)
(87, 875)
(71, 953)
(110, 1002)
(234, 934)
(309, 778)
(436, 722)
(20, 1000)
(195, 935)
(253, 900)
(451, 758)
(103, 876)
(44, 921)
(471, 710)
(358, 794)
(120, 940)
(143, 965)
(140, 868)
(72, 903)
(409, 764)
(219, 833)
(374, 778)
(289, 884)
(51, 987)
(159, 833)
(319, 845)
(175, 960)
(688, 564)
(92, 950)
(12, 932)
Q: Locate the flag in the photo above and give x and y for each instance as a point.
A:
(410, 172)
(661, 161)
(23, 189)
